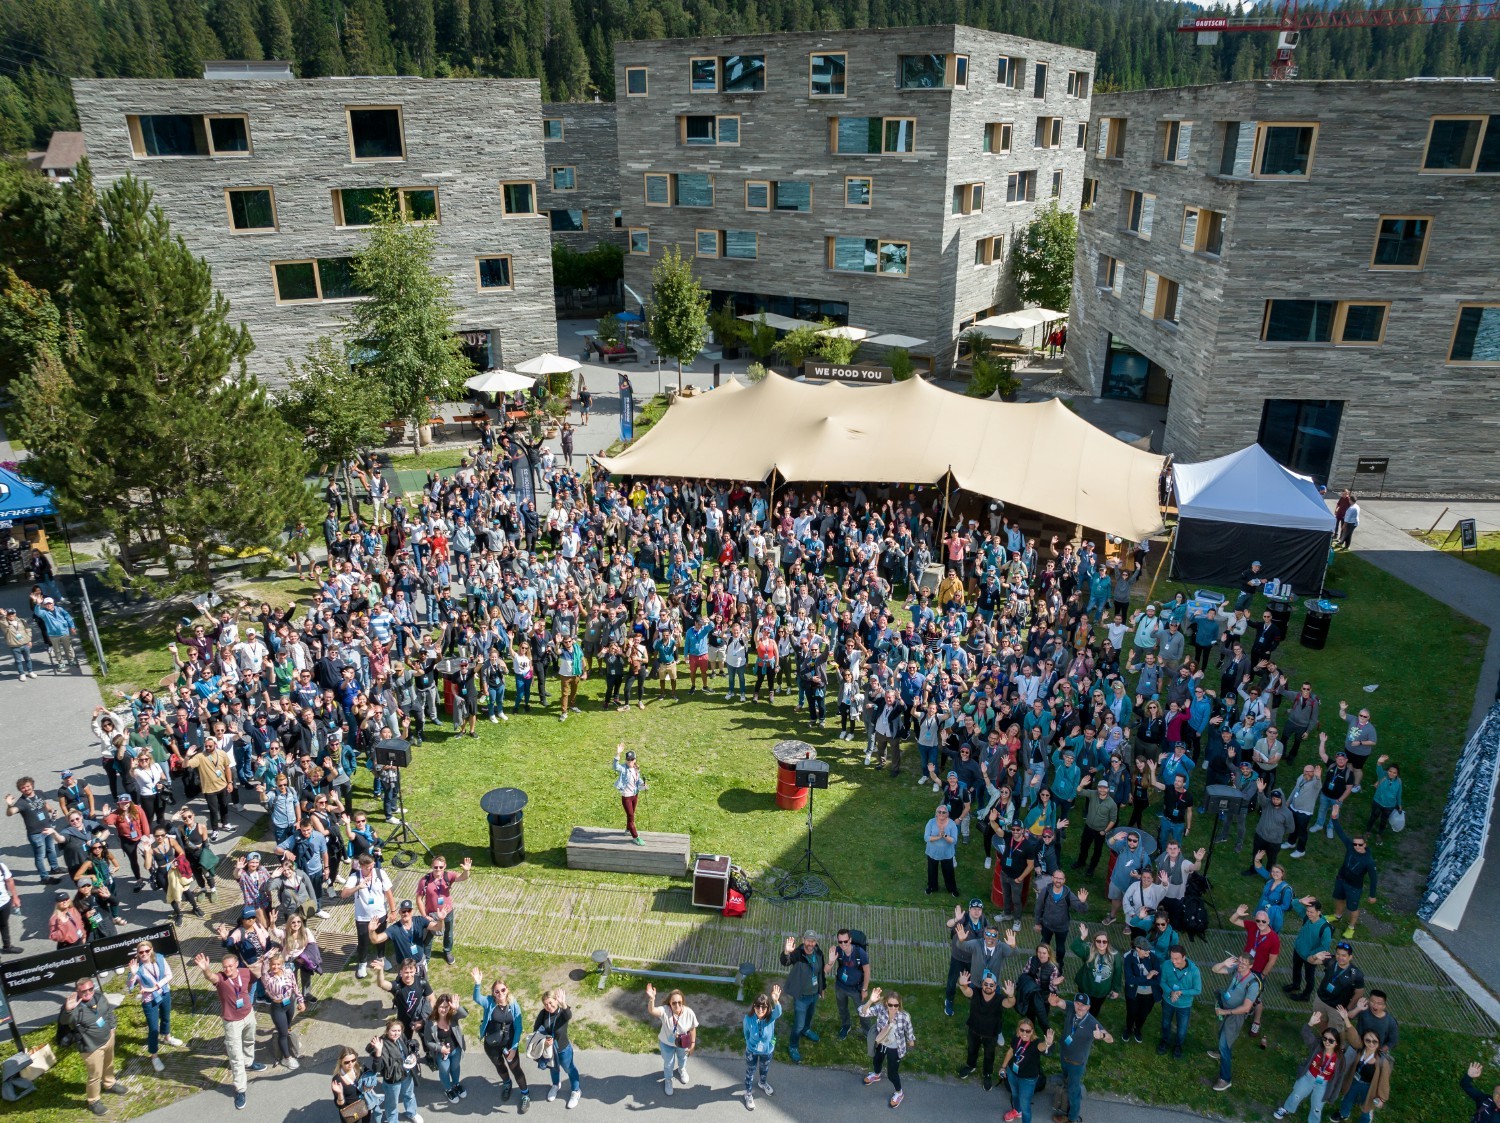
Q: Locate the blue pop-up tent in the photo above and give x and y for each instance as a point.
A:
(22, 499)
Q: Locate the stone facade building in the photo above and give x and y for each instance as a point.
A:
(581, 192)
(875, 177)
(272, 181)
(1307, 264)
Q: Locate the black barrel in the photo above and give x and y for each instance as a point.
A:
(508, 839)
(1281, 614)
(1315, 628)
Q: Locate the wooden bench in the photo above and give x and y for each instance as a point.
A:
(603, 848)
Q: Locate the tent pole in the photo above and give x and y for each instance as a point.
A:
(947, 485)
(1170, 550)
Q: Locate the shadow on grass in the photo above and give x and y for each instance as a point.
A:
(737, 801)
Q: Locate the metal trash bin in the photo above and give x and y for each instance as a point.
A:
(1317, 624)
(506, 808)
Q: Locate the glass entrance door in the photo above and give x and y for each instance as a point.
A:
(1301, 434)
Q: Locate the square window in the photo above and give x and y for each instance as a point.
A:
(699, 130)
(419, 204)
(1284, 151)
(1452, 143)
(793, 195)
(251, 209)
(997, 136)
(703, 75)
(564, 179)
(229, 135)
(640, 241)
(826, 75)
(757, 195)
(1011, 72)
(1363, 323)
(923, 72)
(375, 133)
(707, 243)
(358, 206)
(658, 189)
(1476, 334)
(743, 245)
(694, 189)
(859, 191)
(635, 81)
(900, 134)
(517, 199)
(1401, 242)
(493, 272)
(552, 128)
(296, 281)
(336, 278)
(729, 130)
(744, 74)
(568, 221)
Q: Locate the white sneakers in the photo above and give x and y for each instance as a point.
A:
(494, 720)
(682, 1075)
(573, 1098)
(361, 971)
(749, 1101)
(176, 1042)
(552, 1093)
(988, 862)
(322, 914)
(156, 1064)
(291, 1064)
(764, 1087)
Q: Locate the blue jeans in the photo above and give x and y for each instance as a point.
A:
(736, 675)
(1356, 1095)
(497, 698)
(1167, 832)
(158, 1020)
(803, 1010)
(1022, 1088)
(450, 1069)
(44, 850)
(673, 1059)
(400, 1098)
(753, 1061)
(562, 1061)
(1325, 808)
(1073, 1077)
(1224, 1057)
(1174, 1025)
(22, 656)
(1307, 1085)
(931, 755)
(523, 691)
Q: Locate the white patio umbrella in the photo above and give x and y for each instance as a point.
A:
(499, 381)
(847, 332)
(547, 364)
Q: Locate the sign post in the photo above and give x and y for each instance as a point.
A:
(1367, 466)
(1468, 534)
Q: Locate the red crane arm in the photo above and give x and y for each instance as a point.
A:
(1293, 18)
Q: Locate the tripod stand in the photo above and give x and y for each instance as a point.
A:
(403, 837)
(808, 856)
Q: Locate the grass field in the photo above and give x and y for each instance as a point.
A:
(1487, 556)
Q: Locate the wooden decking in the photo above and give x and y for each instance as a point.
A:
(614, 851)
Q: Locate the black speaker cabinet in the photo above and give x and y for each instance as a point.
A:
(812, 773)
(392, 752)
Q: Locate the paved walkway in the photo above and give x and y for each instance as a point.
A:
(1383, 540)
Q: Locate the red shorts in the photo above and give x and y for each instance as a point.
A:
(697, 662)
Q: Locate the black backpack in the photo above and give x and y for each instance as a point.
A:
(65, 1036)
(739, 881)
(1194, 917)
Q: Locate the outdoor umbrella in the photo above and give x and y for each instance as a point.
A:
(547, 364)
(499, 381)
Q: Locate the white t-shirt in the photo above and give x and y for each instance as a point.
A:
(369, 897)
(5, 875)
(673, 1023)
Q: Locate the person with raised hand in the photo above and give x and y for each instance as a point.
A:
(678, 1036)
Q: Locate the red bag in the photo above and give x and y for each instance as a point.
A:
(735, 905)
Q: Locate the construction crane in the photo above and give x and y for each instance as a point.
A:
(1292, 20)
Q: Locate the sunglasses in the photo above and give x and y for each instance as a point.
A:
(893, 1005)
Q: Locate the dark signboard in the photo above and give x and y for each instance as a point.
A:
(837, 372)
(1371, 466)
(50, 969)
(1468, 535)
(120, 950)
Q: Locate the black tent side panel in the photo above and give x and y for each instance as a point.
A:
(1217, 553)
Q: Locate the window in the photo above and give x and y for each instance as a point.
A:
(693, 189)
(1176, 141)
(1137, 210)
(1090, 193)
(868, 255)
(933, 72)
(706, 243)
(968, 198)
(1401, 241)
(564, 178)
(708, 130)
(989, 250)
(1476, 334)
(1039, 80)
(757, 195)
(792, 195)
(1234, 157)
(730, 74)
(1048, 132)
(359, 206)
(573, 221)
(1020, 187)
(1202, 231)
(635, 81)
(251, 209)
(1107, 273)
(1078, 83)
(704, 75)
(552, 128)
(1057, 178)
(302, 282)
(658, 190)
(165, 135)
(742, 245)
(825, 74)
(493, 272)
(1301, 434)
(640, 241)
(1284, 150)
(1463, 144)
(1011, 72)
(1159, 297)
(1083, 135)
(859, 191)
(375, 132)
(619, 219)
(997, 136)
(872, 135)
(1343, 322)
(517, 198)
(1112, 137)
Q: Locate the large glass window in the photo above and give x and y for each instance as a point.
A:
(230, 135)
(1301, 434)
(1476, 335)
(375, 133)
(517, 198)
(357, 206)
(1401, 242)
(171, 135)
(1452, 143)
(570, 221)
(564, 179)
(826, 75)
(552, 128)
(744, 74)
(699, 130)
(868, 255)
(1299, 321)
(740, 244)
(1284, 151)
(704, 75)
(336, 278)
(295, 281)
(870, 135)
(793, 195)
(900, 134)
(923, 72)
(695, 189)
(494, 272)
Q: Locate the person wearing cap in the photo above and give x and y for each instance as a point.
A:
(409, 935)
(1130, 858)
(370, 887)
(66, 927)
(1101, 813)
(17, 633)
(1338, 784)
(630, 784)
(466, 700)
(411, 996)
(1179, 984)
(849, 964)
(1080, 1029)
(1341, 987)
(984, 1024)
(61, 630)
(235, 987)
(964, 927)
(1250, 582)
(805, 981)
(92, 1017)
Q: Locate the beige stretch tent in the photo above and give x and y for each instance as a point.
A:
(1040, 456)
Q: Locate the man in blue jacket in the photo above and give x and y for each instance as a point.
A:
(61, 630)
(1181, 982)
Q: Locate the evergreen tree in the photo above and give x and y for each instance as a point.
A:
(234, 23)
(1044, 258)
(409, 322)
(415, 37)
(275, 28)
(677, 317)
(567, 65)
(318, 52)
(196, 460)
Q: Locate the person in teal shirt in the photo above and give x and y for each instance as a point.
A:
(1387, 798)
(1313, 945)
(1066, 776)
(1181, 982)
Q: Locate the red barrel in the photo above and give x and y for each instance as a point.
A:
(997, 894)
(450, 692)
(789, 797)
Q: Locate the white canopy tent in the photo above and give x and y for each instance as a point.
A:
(1245, 507)
(1009, 325)
(1039, 456)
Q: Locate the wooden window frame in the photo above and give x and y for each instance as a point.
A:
(724, 245)
(1090, 197)
(1200, 230)
(718, 73)
(985, 248)
(718, 243)
(486, 290)
(1336, 332)
(1029, 197)
(885, 123)
(1082, 142)
(645, 74)
(1051, 132)
(1257, 152)
(138, 140)
(562, 130)
(646, 178)
(827, 54)
(630, 234)
(1421, 264)
(1114, 138)
(1341, 315)
(966, 204)
(1045, 76)
(831, 240)
(775, 183)
(833, 135)
(400, 124)
(1112, 283)
(337, 196)
(1482, 118)
(1080, 80)
(1453, 336)
(506, 212)
(713, 195)
(766, 183)
(950, 71)
(214, 153)
(682, 120)
(317, 281)
(1126, 207)
(275, 226)
(858, 206)
(1057, 183)
(552, 171)
(1005, 130)
(1159, 301)
(1015, 72)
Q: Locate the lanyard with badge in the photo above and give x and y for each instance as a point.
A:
(1015, 1064)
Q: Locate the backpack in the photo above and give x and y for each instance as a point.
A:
(65, 1036)
(739, 881)
(1194, 918)
(735, 904)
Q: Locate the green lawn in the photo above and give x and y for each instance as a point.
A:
(1487, 556)
(437, 459)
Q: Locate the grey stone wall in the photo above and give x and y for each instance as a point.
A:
(784, 135)
(1306, 239)
(590, 146)
(462, 137)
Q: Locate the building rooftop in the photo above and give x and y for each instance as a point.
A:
(64, 151)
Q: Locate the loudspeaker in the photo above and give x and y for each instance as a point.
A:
(812, 773)
(392, 752)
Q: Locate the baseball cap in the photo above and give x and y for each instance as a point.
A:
(1140, 943)
(975, 903)
(48, 600)
(253, 856)
(953, 775)
(62, 895)
(1081, 998)
(1255, 563)
(124, 797)
(67, 774)
(247, 913)
(810, 934)
(630, 754)
(406, 906)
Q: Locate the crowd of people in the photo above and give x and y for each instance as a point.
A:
(1052, 718)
